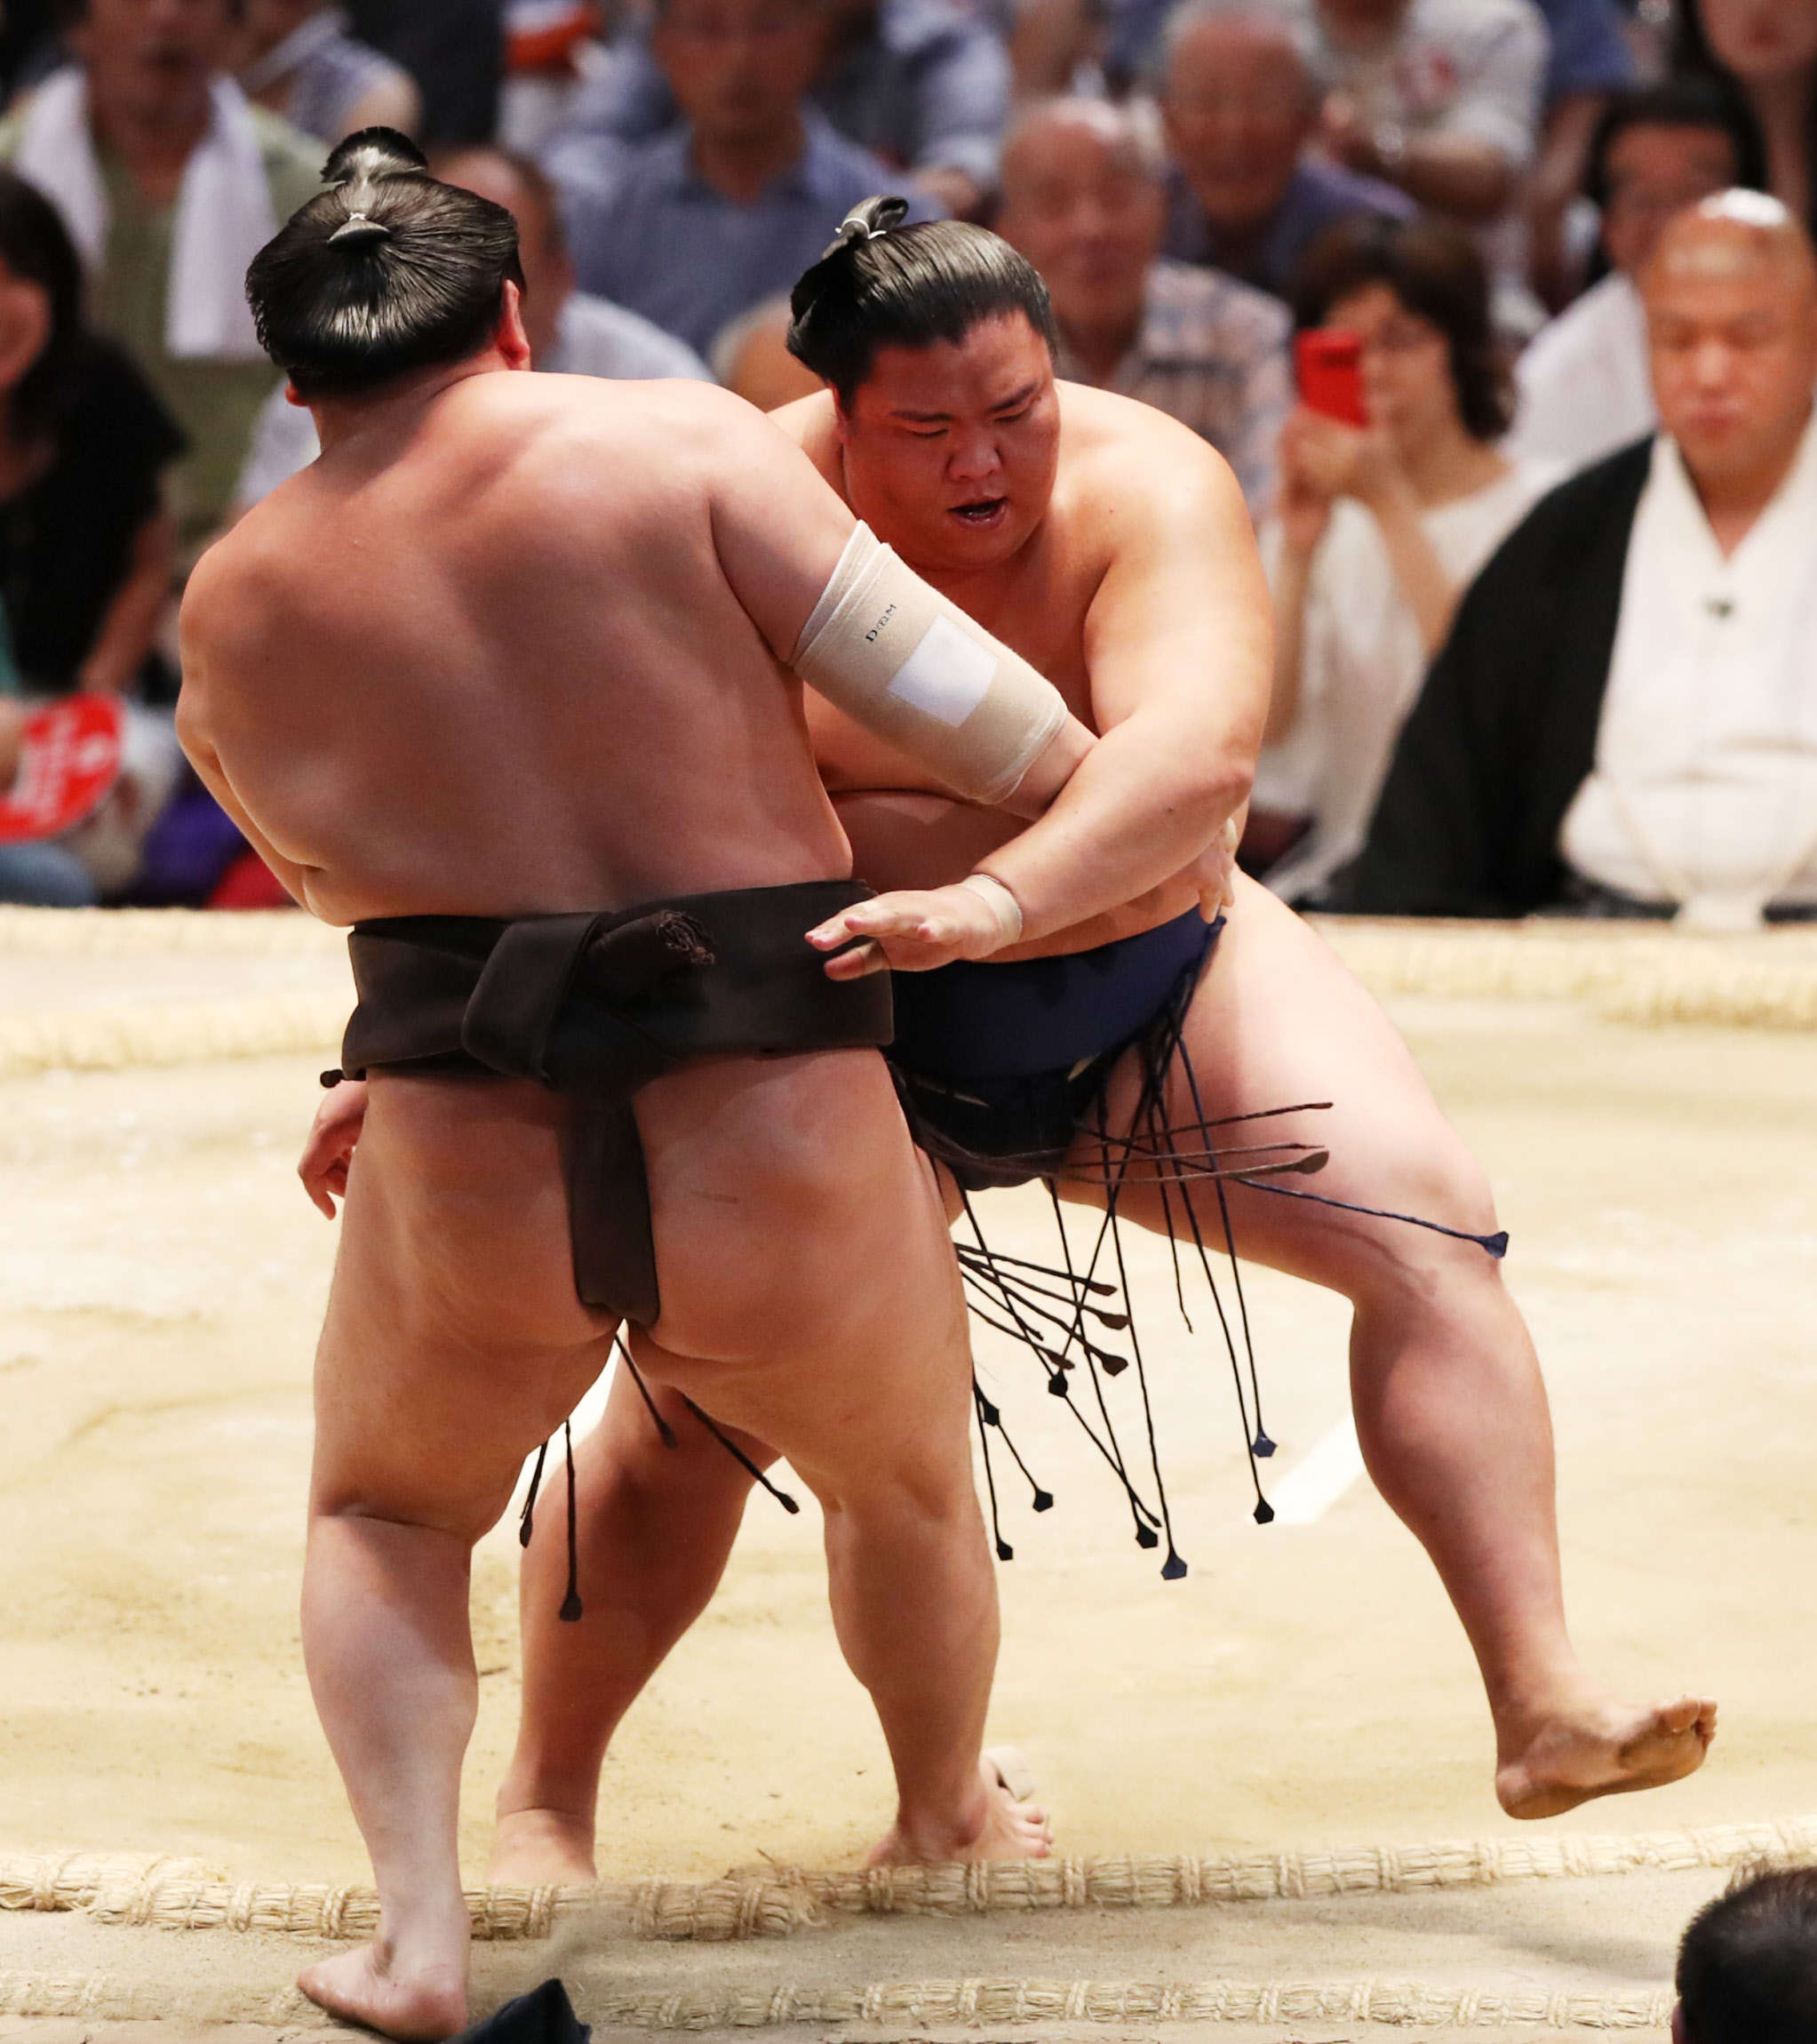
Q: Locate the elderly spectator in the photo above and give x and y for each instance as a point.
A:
(1590, 58)
(1241, 106)
(170, 183)
(699, 223)
(1442, 97)
(1083, 201)
(1585, 385)
(298, 59)
(570, 333)
(455, 51)
(1767, 50)
(1625, 718)
(1380, 529)
(923, 84)
(85, 543)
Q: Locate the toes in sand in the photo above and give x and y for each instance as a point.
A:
(541, 1849)
(1013, 1826)
(417, 2006)
(1607, 1749)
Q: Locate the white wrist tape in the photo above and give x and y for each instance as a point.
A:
(913, 669)
(1003, 904)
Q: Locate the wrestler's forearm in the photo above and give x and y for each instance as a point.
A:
(1173, 897)
(1143, 804)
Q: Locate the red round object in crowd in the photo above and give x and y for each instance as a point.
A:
(70, 759)
(249, 882)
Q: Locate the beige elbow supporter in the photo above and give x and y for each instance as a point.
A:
(913, 668)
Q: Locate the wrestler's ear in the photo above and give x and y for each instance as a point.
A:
(509, 338)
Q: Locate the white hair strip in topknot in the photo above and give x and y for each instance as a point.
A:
(357, 229)
(1746, 209)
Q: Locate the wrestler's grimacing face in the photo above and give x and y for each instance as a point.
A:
(950, 449)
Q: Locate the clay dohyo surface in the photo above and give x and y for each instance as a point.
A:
(161, 1283)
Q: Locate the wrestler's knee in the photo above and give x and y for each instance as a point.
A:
(907, 1476)
(347, 1495)
(1437, 1180)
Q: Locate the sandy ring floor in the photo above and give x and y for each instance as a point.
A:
(162, 1278)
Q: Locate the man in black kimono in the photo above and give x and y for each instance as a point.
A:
(1562, 753)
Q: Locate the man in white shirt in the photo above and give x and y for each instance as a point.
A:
(1585, 385)
(1625, 720)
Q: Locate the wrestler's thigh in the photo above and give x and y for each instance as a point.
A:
(453, 1342)
(810, 1295)
(1277, 1020)
(791, 1213)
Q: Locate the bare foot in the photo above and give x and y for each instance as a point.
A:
(541, 1849)
(1603, 1749)
(1004, 1825)
(423, 2004)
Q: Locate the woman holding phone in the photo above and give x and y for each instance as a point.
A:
(1392, 494)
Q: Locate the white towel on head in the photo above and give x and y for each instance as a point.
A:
(224, 210)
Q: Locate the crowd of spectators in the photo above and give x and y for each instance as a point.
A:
(1546, 633)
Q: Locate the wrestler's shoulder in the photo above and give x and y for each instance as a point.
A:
(809, 422)
(1133, 481)
(545, 415)
(1128, 447)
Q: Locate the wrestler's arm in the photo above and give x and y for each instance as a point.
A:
(335, 1128)
(781, 529)
(208, 608)
(1178, 644)
(1179, 649)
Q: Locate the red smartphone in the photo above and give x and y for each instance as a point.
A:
(1329, 365)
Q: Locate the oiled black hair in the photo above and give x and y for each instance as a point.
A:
(1438, 273)
(1694, 101)
(387, 272)
(881, 285)
(1748, 1964)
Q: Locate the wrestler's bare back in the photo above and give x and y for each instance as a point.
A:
(499, 653)
(449, 669)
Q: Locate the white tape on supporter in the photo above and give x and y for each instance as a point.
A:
(947, 676)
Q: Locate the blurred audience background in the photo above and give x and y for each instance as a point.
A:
(1381, 527)
(1558, 420)
(1623, 721)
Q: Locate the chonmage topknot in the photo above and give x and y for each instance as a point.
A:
(374, 153)
(358, 232)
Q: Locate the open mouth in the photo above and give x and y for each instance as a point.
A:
(986, 512)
